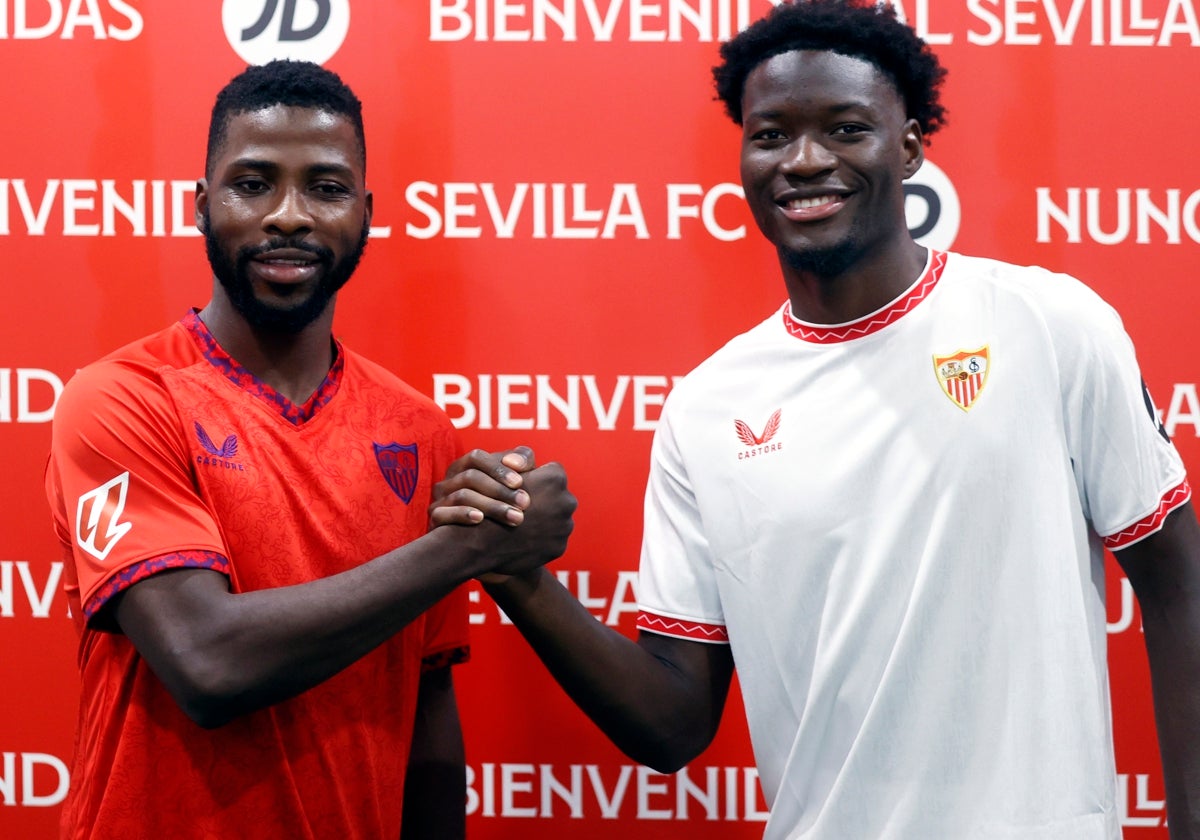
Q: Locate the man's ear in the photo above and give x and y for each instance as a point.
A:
(200, 203)
(913, 142)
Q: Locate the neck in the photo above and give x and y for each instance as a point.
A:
(833, 293)
(294, 364)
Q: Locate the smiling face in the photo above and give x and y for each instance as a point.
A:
(826, 147)
(285, 213)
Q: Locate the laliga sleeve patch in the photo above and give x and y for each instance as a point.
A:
(1154, 418)
(98, 525)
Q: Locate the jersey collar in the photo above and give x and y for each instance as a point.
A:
(229, 367)
(875, 321)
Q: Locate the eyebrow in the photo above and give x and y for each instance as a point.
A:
(270, 166)
(837, 108)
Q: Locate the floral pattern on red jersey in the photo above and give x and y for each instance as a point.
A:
(248, 382)
(127, 577)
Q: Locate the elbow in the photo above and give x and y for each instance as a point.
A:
(207, 715)
(665, 738)
(669, 760)
(670, 754)
(668, 764)
(207, 693)
(662, 760)
(195, 646)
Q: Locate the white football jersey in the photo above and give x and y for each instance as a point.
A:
(898, 525)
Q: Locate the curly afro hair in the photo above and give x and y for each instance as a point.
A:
(855, 28)
(299, 84)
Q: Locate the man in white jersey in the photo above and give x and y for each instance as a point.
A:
(887, 504)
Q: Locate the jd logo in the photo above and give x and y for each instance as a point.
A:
(931, 207)
(303, 30)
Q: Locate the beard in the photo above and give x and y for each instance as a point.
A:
(232, 271)
(824, 263)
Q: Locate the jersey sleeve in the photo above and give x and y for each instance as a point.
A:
(677, 586)
(446, 638)
(119, 484)
(1128, 472)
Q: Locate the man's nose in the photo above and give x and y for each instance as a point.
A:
(290, 213)
(809, 156)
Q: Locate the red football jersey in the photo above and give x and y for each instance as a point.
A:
(169, 454)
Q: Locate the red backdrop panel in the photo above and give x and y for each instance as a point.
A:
(558, 235)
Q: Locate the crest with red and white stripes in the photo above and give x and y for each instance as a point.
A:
(963, 374)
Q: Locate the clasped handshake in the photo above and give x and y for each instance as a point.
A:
(518, 515)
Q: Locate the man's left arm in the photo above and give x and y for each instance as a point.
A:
(435, 788)
(1164, 570)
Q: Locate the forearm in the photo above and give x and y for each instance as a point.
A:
(1164, 569)
(435, 798)
(225, 654)
(653, 711)
(1173, 645)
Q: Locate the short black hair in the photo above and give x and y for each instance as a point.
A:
(299, 84)
(856, 28)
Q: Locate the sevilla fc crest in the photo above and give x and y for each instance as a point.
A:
(398, 462)
(962, 375)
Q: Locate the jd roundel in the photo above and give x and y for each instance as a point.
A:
(302, 30)
(931, 207)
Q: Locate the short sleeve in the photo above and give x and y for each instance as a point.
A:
(1129, 474)
(119, 484)
(677, 587)
(447, 638)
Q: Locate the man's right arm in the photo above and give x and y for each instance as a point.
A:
(223, 654)
(659, 699)
(220, 653)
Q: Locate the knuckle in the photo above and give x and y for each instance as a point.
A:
(476, 455)
(468, 477)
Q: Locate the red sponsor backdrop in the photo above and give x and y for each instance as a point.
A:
(558, 235)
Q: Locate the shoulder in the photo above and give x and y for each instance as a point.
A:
(731, 365)
(1055, 293)
(373, 376)
(1064, 308)
(129, 380)
(118, 413)
(1080, 330)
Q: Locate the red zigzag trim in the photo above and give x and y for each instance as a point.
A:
(1147, 526)
(682, 629)
(870, 323)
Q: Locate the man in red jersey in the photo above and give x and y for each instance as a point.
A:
(266, 619)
